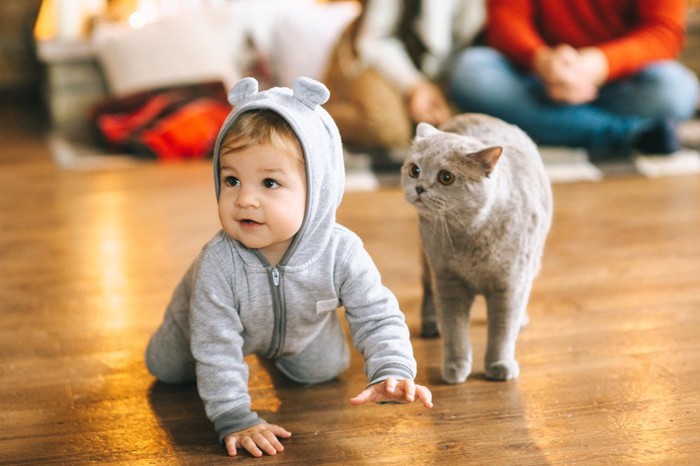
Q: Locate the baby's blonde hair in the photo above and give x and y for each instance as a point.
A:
(262, 126)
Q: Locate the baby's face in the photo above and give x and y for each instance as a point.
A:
(262, 198)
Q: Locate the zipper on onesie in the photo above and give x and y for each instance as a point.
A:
(279, 312)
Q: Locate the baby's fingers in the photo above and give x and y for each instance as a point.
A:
(424, 395)
(267, 442)
(409, 390)
(257, 440)
(231, 445)
(390, 385)
(251, 446)
(361, 398)
(279, 431)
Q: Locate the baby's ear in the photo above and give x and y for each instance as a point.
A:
(241, 90)
(425, 129)
(488, 158)
(312, 93)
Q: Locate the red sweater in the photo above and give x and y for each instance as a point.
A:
(631, 33)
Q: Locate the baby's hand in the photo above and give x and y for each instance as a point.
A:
(257, 439)
(402, 391)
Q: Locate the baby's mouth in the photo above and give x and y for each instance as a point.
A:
(247, 221)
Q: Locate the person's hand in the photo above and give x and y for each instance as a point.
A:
(571, 76)
(557, 67)
(402, 391)
(592, 66)
(256, 440)
(427, 104)
(553, 65)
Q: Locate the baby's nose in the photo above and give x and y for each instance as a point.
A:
(246, 198)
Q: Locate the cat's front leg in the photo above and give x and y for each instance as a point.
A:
(453, 304)
(506, 314)
(429, 325)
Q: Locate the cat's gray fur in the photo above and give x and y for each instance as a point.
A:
(482, 234)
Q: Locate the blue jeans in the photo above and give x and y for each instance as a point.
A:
(485, 81)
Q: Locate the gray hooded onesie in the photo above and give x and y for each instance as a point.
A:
(231, 302)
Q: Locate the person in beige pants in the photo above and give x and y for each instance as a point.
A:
(386, 70)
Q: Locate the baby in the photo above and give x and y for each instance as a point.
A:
(270, 282)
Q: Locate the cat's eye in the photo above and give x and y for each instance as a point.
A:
(445, 177)
(413, 170)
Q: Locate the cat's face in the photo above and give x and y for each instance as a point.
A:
(448, 173)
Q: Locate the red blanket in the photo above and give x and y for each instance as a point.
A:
(169, 124)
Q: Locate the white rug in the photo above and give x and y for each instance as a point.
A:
(366, 172)
(563, 165)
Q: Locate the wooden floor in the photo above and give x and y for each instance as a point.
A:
(610, 364)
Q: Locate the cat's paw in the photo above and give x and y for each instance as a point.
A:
(429, 330)
(503, 370)
(456, 371)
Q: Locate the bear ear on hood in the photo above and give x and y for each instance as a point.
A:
(241, 90)
(310, 92)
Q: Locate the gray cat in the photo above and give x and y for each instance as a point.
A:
(484, 204)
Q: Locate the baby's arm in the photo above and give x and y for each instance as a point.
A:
(217, 346)
(401, 391)
(379, 332)
(257, 439)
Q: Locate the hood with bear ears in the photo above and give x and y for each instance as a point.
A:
(322, 151)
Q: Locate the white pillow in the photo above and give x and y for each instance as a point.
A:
(302, 41)
(181, 49)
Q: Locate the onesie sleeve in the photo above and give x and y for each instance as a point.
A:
(377, 325)
(217, 346)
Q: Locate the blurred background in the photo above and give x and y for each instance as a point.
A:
(65, 57)
(69, 54)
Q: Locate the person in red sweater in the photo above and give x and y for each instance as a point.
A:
(597, 74)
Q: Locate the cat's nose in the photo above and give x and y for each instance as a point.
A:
(420, 190)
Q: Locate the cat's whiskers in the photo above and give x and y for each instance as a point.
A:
(446, 230)
(457, 216)
(441, 228)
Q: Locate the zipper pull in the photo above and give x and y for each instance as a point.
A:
(276, 276)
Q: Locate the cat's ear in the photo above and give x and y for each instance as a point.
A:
(425, 129)
(488, 158)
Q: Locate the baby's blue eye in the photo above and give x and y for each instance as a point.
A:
(270, 183)
(231, 181)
